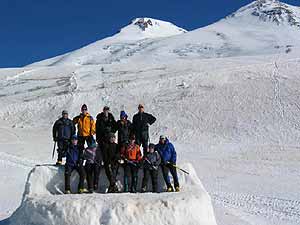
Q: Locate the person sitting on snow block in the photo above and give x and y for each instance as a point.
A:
(111, 156)
(132, 156)
(91, 168)
(73, 162)
(168, 157)
(151, 164)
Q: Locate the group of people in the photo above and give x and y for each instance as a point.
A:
(105, 152)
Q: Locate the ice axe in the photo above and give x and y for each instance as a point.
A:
(54, 147)
(178, 168)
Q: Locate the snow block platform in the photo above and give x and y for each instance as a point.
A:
(44, 204)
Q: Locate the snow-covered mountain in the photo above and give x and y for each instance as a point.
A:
(140, 33)
(260, 28)
(271, 11)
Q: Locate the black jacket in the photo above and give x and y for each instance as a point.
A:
(63, 129)
(110, 153)
(124, 131)
(141, 122)
(104, 126)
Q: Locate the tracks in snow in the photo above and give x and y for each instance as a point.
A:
(267, 207)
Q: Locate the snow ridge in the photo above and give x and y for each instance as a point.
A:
(271, 11)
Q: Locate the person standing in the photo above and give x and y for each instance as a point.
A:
(86, 128)
(62, 131)
(74, 162)
(132, 156)
(141, 123)
(105, 124)
(168, 158)
(151, 164)
(111, 156)
(124, 128)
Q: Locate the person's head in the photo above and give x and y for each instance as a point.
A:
(93, 145)
(74, 139)
(106, 110)
(141, 108)
(123, 115)
(151, 147)
(132, 139)
(65, 114)
(112, 138)
(162, 139)
(84, 109)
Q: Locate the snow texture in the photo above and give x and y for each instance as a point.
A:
(43, 204)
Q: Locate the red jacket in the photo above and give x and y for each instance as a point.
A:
(131, 152)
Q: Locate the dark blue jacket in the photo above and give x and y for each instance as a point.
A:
(167, 152)
(63, 129)
(72, 156)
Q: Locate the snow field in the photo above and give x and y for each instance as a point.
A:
(44, 204)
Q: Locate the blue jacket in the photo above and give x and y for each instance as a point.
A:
(72, 156)
(167, 152)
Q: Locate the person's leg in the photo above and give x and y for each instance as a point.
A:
(126, 177)
(134, 178)
(165, 172)
(60, 149)
(81, 141)
(145, 180)
(145, 140)
(174, 175)
(97, 170)
(82, 175)
(154, 177)
(68, 172)
(89, 175)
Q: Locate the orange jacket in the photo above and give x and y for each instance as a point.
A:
(131, 152)
(86, 125)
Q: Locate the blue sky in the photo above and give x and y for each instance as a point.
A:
(32, 30)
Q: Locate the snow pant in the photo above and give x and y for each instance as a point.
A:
(111, 174)
(142, 139)
(68, 173)
(132, 170)
(82, 139)
(92, 171)
(154, 176)
(62, 148)
(165, 171)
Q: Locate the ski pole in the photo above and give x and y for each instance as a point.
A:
(179, 168)
(54, 147)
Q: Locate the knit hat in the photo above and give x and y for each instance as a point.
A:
(64, 112)
(74, 137)
(123, 114)
(163, 137)
(93, 145)
(105, 108)
(84, 107)
(151, 145)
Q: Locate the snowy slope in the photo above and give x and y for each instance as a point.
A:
(140, 33)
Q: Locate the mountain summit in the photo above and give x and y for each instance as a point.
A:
(271, 11)
(149, 28)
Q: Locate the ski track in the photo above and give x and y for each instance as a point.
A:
(271, 208)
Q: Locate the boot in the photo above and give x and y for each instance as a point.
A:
(170, 188)
(126, 186)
